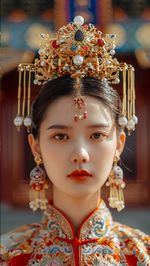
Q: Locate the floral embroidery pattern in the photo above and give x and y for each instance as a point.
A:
(100, 241)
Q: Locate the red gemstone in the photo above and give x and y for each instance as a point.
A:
(38, 256)
(75, 118)
(85, 48)
(101, 42)
(85, 26)
(71, 27)
(85, 115)
(54, 44)
(37, 187)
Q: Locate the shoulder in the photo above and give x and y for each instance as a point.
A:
(133, 241)
(124, 231)
(18, 241)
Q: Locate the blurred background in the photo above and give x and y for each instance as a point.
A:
(21, 23)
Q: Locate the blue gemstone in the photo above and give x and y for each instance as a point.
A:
(73, 47)
(79, 36)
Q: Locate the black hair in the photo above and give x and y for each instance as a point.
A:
(54, 89)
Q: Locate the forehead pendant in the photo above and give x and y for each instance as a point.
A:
(80, 103)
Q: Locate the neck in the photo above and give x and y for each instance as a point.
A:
(77, 209)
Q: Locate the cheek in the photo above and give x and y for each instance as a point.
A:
(103, 157)
(52, 156)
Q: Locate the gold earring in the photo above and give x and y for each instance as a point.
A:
(38, 184)
(116, 184)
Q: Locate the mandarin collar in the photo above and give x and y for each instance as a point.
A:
(95, 226)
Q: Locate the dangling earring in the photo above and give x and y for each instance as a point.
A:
(116, 184)
(38, 185)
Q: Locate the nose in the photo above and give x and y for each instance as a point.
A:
(80, 156)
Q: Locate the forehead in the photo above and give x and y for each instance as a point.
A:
(63, 109)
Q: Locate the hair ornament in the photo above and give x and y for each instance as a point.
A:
(79, 50)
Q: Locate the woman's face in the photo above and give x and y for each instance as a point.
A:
(89, 144)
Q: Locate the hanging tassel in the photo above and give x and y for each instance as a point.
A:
(24, 116)
(116, 184)
(18, 121)
(27, 119)
(128, 119)
(132, 119)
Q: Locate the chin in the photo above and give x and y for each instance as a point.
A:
(81, 192)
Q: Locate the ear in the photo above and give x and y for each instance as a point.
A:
(34, 145)
(121, 138)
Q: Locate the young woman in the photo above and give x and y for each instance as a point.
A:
(78, 156)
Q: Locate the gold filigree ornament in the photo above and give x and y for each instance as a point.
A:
(79, 50)
(116, 184)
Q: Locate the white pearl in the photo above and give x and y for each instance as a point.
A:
(108, 62)
(66, 68)
(89, 65)
(113, 46)
(18, 121)
(135, 119)
(107, 184)
(104, 80)
(79, 20)
(40, 51)
(27, 121)
(78, 60)
(42, 63)
(90, 222)
(35, 81)
(112, 52)
(120, 207)
(117, 81)
(130, 125)
(123, 185)
(122, 121)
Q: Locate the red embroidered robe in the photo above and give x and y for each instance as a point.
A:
(100, 241)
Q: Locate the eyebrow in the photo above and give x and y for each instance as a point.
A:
(57, 126)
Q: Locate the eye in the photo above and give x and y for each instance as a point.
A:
(60, 136)
(98, 135)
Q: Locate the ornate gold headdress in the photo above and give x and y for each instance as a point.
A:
(78, 51)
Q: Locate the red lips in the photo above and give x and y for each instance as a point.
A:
(79, 173)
